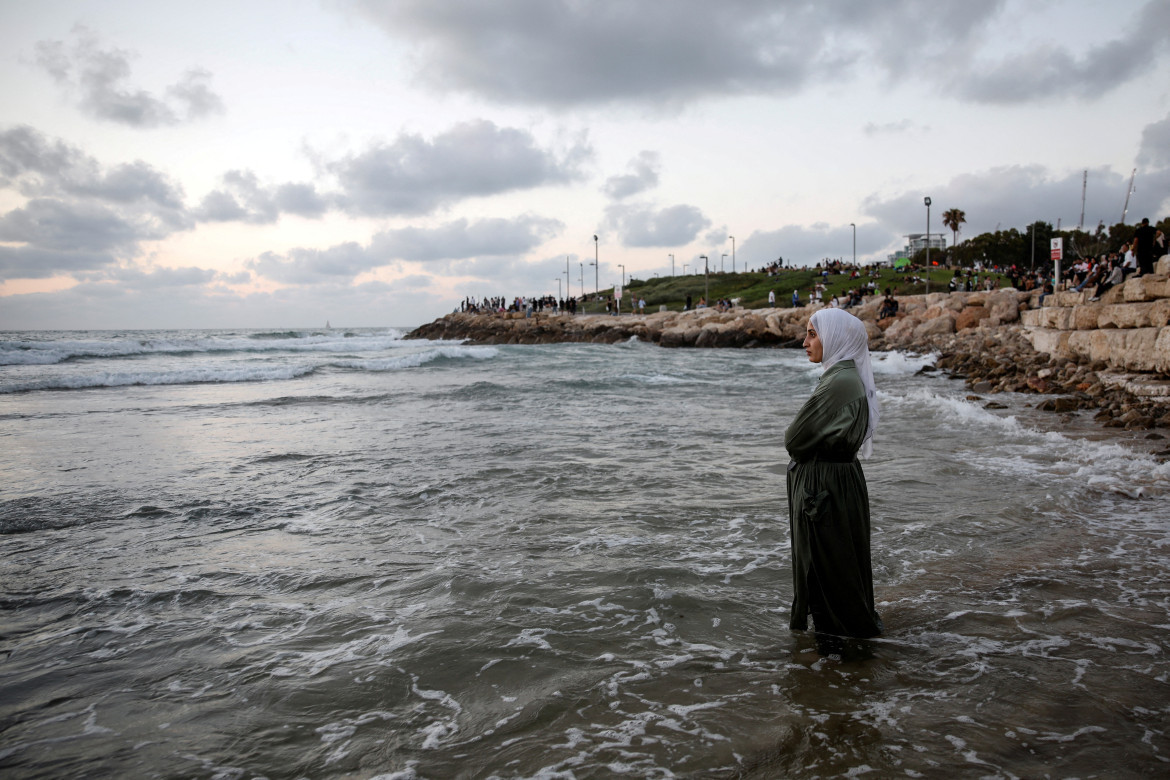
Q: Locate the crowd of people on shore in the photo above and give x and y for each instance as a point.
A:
(1097, 274)
(499, 305)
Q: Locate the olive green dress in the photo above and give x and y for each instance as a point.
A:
(828, 509)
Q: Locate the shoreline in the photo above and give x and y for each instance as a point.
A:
(983, 338)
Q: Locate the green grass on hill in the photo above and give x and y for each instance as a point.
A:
(752, 288)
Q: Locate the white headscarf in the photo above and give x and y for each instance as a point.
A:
(844, 337)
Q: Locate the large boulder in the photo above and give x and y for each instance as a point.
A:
(971, 316)
(902, 330)
(1146, 288)
(1005, 308)
(681, 335)
(941, 325)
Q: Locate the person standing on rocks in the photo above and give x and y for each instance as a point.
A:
(771, 299)
(828, 501)
(1143, 247)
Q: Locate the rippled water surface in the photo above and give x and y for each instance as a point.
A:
(305, 555)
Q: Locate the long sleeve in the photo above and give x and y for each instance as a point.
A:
(832, 423)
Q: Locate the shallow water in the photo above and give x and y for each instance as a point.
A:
(411, 559)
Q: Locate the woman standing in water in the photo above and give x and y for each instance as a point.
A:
(828, 503)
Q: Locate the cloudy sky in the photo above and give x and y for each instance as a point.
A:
(281, 164)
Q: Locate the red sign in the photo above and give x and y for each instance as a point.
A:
(1057, 245)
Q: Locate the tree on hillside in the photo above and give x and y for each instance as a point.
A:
(952, 218)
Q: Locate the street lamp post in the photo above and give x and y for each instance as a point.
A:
(623, 274)
(732, 253)
(852, 225)
(927, 202)
(568, 281)
(706, 280)
(1032, 265)
(596, 286)
(558, 289)
(581, 278)
(685, 266)
(721, 262)
(672, 265)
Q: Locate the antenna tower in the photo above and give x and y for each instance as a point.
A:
(1084, 187)
(1125, 210)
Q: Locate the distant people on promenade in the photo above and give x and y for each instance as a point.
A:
(1143, 246)
(1112, 279)
(529, 305)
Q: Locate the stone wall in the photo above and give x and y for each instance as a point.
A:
(1128, 329)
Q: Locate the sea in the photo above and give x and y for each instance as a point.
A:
(340, 553)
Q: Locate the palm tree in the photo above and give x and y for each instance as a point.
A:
(952, 218)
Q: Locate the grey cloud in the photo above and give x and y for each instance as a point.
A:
(240, 277)
(64, 227)
(24, 152)
(415, 176)
(1014, 196)
(643, 176)
(1155, 148)
(449, 242)
(807, 245)
(193, 92)
(221, 206)
(1007, 197)
(511, 276)
(341, 262)
(1045, 71)
(891, 128)
(98, 76)
(461, 239)
(644, 226)
(159, 278)
(409, 176)
(300, 199)
(244, 199)
(39, 166)
(717, 236)
(565, 52)
(79, 214)
(31, 262)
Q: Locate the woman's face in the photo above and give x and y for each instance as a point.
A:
(812, 345)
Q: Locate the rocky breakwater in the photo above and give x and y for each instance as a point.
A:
(922, 321)
(698, 328)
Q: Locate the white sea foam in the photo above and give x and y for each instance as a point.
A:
(76, 378)
(1004, 445)
(900, 363)
(175, 377)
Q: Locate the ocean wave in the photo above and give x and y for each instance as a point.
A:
(190, 376)
(416, 359)
(1023, 449)
(237, 372)
(30, 352)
